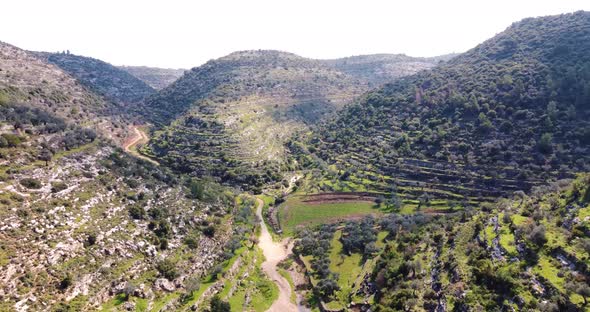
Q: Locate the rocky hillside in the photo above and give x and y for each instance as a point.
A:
(378, 69)
(103, 78)
(85, 226)
(231, 116)
(509, 114)
(24, 78)
(157, 78)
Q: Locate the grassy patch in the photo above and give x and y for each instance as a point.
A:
(289, 279)
(295, 213)
(507, 240)
(518, 219)
(261, 290)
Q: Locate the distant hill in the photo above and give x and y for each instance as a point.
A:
(25, 78)
(157, 78)
(378, 69)
(103, 78)
(509, 114)
(236, 112)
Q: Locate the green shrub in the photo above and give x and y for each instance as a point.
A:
(136, 212)
(10, 140)
(31, 183)
(192, 241)
(167, 269)
(546, 143)
(57, 187)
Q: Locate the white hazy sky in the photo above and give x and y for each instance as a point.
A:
(184, 34)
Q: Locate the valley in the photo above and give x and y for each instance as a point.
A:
(268, 181)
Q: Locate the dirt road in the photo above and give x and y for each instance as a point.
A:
(138, 137)
(274, 253)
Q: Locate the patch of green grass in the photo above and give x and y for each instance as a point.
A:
(113, 303)
(289, 279)
(295, 213)
(159, 304)
(380, 243)
(266, 292)
(348, 268)
(584, 212)
(507, 240)
(490, 234)
(408, 209)
(263, 292)
(549, 271)
(141, 305)
(518, 219)
(268, 200)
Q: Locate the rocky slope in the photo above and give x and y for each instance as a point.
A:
(83, 225)
(25, 78)
(113, 83)
(157, 78)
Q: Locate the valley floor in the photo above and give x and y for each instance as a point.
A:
(275, 253)
(138, 137)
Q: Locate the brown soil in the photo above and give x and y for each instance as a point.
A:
(339, 197)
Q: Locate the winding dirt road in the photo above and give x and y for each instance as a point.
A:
(274, 253)
(138, 137)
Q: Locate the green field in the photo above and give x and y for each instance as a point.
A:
(295, 213)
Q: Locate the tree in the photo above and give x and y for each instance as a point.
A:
(216, 271)
(327, 287)
(128, 290)
(537, 235)
(66, 282)
(579, 288)
(552, 110)
(546, 143)
(45, 155)
(136, 212)
(585, 244)
(192, 284)
(485, 125)
(167, 269)
(253, 240)
(218, 305)
(192, 241)
(197, 189)
(11, 140)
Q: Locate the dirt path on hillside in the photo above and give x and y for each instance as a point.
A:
(137, 138)
(274, 253)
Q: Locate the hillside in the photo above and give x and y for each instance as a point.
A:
(507, 115)
(103, 78)
(527, 253)
(157, 78)
(230, 117)
(24, 78)
(85, 226)
(379, 69)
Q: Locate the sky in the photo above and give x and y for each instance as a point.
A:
(185, 34)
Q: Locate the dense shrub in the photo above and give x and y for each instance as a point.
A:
(31, 183)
